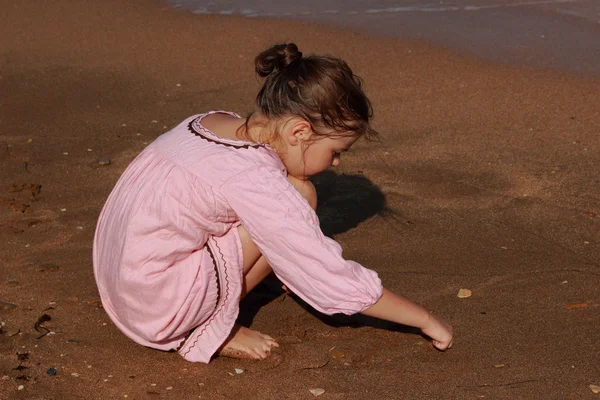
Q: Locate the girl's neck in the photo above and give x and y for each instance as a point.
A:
(259, 129)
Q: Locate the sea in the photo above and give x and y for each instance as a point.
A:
(562, 35)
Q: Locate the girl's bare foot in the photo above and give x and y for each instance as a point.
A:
(246, 343)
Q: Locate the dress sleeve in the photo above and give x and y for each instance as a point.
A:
(286, 230)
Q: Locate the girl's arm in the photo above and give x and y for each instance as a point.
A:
(395, 308)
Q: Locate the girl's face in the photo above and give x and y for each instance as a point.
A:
(313, 155)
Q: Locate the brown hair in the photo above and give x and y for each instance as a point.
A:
(321, 89)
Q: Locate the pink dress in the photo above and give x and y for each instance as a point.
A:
(167, 256)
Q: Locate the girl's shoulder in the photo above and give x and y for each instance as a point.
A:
(220, 127)
(211, 155)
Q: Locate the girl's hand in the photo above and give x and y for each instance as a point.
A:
(440, 332)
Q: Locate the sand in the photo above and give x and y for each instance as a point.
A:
(490, 175)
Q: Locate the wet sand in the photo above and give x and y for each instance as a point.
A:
(490, 173)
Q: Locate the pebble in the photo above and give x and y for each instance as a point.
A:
(170, 388)
(104, 161)
(595, 388)
(153, 384)
(336, 353)
(7, 306)
(21, 387)
(317, 391)
(154, 121)
(239, 371)
(576, 306)
(29, 140)
(75, 374)
(179, 84)
(66, 153)
(63, 209)
(51, 371)
(464, 293)
(89, 149)
(48, 267)
(105, 380)
(13, 332)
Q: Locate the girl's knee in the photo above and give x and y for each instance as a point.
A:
(306, 189)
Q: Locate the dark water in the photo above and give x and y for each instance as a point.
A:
(557, 34)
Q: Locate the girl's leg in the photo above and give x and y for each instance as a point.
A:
(244, 342)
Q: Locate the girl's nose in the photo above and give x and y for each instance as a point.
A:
(336, 161)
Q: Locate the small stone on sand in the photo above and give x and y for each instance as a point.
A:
(13, 332)
(317, 391)
(51, 371)
(104, 161)
(7, 306)
(21, 387)
(170, 388)
(336, 353)
(595, 388)
(576, 306)
(464, 293)
(239, 371)
(48, 267)
(75, 374)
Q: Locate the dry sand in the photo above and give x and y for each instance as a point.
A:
(491, 173)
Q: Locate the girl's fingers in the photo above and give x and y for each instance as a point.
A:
(434, 344)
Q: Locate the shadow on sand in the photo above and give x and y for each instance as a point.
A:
(344, 201)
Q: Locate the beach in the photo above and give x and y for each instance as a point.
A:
(490, 173)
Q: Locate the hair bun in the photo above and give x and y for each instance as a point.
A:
(276, 58)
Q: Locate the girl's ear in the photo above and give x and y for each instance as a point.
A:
(298, 130)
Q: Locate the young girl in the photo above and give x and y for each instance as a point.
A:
(211, 207)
